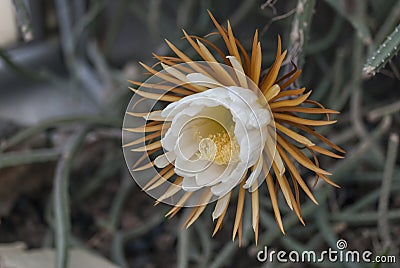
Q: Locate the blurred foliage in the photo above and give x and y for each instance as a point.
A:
(80, 192)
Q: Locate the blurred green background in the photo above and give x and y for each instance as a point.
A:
(64, 185)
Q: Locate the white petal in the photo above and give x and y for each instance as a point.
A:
(222, 203)
(156, 115)
(174, 72)
(202, 80)
(186, 146)
(189, 184)
(239, 71)
(184, 167)
(254, 175)
(252, 146)
(241, 95)
(210, 175)
(259, 117)
(184, 118)
(165, 159)
(230, 182)
(168, 142)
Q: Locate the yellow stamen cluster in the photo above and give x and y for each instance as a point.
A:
(221, 148)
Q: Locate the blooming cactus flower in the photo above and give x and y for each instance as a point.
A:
(224, 129)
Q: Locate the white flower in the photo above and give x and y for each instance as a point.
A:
(229, 123)
(215, 136)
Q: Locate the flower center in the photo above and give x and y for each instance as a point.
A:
(221, 148)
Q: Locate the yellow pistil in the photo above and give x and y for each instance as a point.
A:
(221, 148)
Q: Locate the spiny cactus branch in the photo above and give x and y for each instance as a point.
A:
(387, 50)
